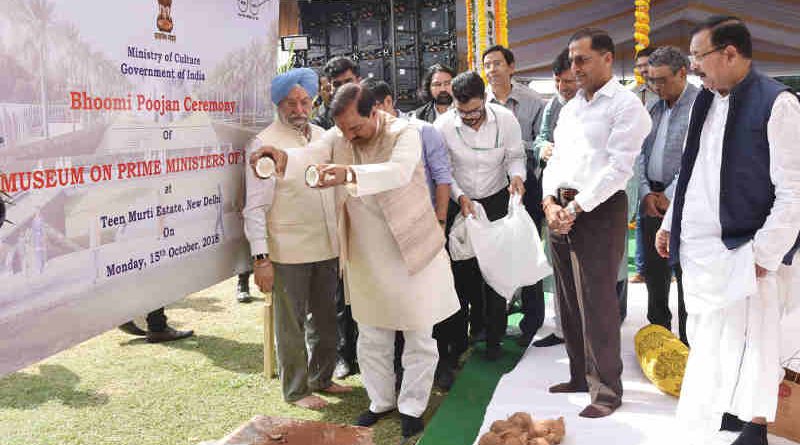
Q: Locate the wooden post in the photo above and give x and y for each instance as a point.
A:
(270, 362)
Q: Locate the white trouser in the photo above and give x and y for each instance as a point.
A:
(376, 360)
(734, 361)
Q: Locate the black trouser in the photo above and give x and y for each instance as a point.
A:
(658, 275)
(243, 285)
(486, 308)
(346, 329)
(533, 296)
(586, 264)
(157, 320)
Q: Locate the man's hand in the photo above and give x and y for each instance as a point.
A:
(264, 275)
(662, 203)
(547, 152)
(331, 175)
(662, 243)
(558, 218)
(467, 207)
(517, 186)
(651, 204)
(277, 155)
(761, 272)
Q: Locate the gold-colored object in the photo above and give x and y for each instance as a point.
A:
(662, 357)
(270, 361)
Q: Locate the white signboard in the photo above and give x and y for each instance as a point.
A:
(122, 130)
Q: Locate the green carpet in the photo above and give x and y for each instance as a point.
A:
(460, 416)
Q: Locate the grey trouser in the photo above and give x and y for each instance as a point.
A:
(586, 264)
(304, 296)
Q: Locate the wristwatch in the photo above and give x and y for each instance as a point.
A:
(260, 256)
(571, 208)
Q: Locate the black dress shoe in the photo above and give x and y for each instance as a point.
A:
(168, 334)
(477, 337)
(131, 328)
(524, 340)
(493, 354)
(368, 418)
(410, 425)
(752, 434)
(550, 340)
(731, 423)
(444, 377)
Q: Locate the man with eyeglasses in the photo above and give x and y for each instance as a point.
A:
(642, 65)
(527, 106)
(659, 165)
(598, 136)
(436, 92)
(486, 149)
(732, 228)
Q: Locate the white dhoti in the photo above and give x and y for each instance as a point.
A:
(734, 362)
(376, 359)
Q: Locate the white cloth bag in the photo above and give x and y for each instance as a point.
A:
(509, 250)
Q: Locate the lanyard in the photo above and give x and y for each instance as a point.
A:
(496, 135)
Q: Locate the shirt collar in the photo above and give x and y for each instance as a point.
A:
(512, 95)
(609, 89)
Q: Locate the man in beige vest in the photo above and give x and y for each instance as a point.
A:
(396, 271)
(292, 233)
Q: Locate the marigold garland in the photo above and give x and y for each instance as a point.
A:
(470, 36)
(502, 22)
(482, 34)
(487, 24)
(641, 32)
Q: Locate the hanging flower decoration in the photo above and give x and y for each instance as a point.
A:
(641, 32)
(470, 34)
(487, 25)
(501, 17)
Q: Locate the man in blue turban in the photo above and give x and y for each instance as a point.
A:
(283, 84)
(291, 229)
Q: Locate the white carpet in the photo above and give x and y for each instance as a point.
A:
(646, 415)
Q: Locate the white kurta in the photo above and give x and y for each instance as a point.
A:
(381, 291)
(734, 318)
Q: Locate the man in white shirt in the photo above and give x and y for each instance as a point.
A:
(732, 227)
(292, 235)
(486, 149)
(598, 136)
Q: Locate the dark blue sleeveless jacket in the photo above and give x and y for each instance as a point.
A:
(746, 190)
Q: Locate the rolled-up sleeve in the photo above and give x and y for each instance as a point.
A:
(259, 194)
(779, 232)
(436, 155)
(395, 173)
(630, 125)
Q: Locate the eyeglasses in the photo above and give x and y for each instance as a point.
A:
(658, 81)
(467, 114)
(699, 57)
(581, 60)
